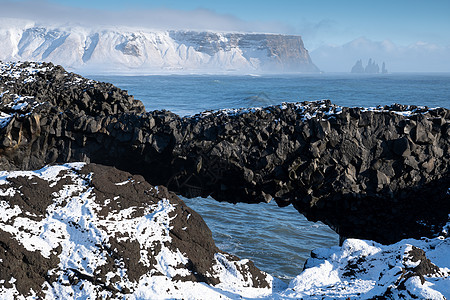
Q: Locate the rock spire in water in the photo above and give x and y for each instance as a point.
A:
(371, 68)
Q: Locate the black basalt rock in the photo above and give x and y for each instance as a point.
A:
(113, 245)
(380, 174)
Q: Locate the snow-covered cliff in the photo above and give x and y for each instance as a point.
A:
(148, 51)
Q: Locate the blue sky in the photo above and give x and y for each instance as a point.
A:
(401, 21)
(393, 28)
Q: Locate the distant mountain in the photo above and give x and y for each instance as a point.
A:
(148, 51)
(371, 68)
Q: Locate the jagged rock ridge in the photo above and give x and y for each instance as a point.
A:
(371, 68)
(379, 174)
(146, 51)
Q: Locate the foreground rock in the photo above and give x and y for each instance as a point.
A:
(379, 174)
(80, 231)
(360, 269)
(76, 231)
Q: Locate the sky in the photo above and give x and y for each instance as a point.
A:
(409, 35)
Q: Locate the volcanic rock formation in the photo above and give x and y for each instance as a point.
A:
(371, 68)
(76, 231)
(380, 174)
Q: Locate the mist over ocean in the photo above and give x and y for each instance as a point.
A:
(278, 240)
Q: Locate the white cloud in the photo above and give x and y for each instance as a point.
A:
(417, 57)
(200, 19)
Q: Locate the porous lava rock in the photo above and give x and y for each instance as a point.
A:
(77, 230)
(379, 174)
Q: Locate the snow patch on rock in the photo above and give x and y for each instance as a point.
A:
(365, 270)
(84, 235)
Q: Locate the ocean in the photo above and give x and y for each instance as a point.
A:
(277, 240)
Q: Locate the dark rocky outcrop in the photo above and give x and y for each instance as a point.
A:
(380, 174)
(76, 231)
(371, 68)
(358, 67)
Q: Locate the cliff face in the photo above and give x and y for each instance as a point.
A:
(380, 174)
(146, 51)
(265, 52)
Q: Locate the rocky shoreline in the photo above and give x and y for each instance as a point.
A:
(334, 164)
(380, 174)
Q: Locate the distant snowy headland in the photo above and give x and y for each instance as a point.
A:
(145, 51)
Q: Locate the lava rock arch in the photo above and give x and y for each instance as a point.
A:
(380, 174)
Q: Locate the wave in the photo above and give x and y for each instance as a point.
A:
(261, 98)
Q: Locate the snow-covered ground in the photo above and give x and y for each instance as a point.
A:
(74, 225)
(366, 270)
(76, 229)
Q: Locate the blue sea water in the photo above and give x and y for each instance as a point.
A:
(186, 95)
(278, 240)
